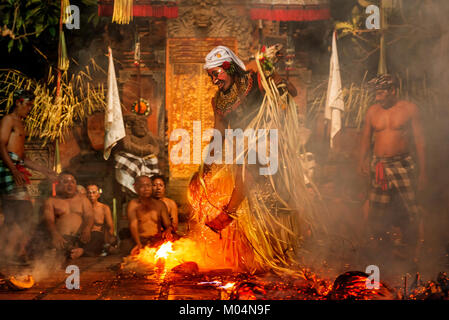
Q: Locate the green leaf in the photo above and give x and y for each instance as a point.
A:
(10, 44)
(52, 31)
(20, 45)
(38, 29)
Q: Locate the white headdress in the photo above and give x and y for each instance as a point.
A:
(220, 54)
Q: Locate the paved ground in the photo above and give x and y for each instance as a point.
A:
(102, 279)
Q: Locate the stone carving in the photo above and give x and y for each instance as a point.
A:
(138, 140)
(138, 154)
(213, 19)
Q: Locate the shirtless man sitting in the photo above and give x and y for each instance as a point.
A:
(68, 217)
(159, 193)
(149, 222)
(102, 218)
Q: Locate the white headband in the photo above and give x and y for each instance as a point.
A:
(220, 54)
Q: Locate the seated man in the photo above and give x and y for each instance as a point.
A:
(102, 218)
(68, 217)
(147, 217)
(159, 193)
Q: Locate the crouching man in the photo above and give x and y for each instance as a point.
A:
(149, 221)
(68, 218)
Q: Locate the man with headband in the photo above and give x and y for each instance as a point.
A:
(392, 122)
(236, 104)
(16, 205)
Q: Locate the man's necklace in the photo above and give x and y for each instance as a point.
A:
(225, 103)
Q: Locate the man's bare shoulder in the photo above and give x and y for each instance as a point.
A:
(159, 204)
(408, 105)
(50, 201)
(133, 203)
(103, 205)
(7, 119)
(170, 202)
(373, 108)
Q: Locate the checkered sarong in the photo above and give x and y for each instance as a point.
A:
(131, 166)
(7, 183)
(390, 174)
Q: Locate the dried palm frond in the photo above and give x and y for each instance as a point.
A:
(123, 11)
(52, 117)
(279, 210)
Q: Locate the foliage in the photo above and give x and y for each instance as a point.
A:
(52, 117)
(24, 19)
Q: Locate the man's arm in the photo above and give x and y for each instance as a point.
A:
(132, 218)
(88, 220)
(37, 167)
(174, 214)
(49, 216)
(108, 220)
(278, 80)
(365, 143)
(418, 137)
(166, 222)
(6, 126)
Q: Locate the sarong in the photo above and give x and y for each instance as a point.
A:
(7, 184)
(393, 174)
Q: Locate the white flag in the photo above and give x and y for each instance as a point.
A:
(334, 100)
(113, 120)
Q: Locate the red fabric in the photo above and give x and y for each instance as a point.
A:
(144, 10)
(285, 13)
(25, 172)
(380, 176)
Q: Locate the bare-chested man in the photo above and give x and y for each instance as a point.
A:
(69, 217)
(149, 222)
(16, 205)
(159, 193)
(393, 123)
(102, 219)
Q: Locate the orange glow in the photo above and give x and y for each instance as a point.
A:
(228, 285)
(164, 250)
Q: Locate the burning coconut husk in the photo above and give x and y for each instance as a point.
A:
(16, 283)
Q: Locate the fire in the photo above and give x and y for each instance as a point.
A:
(228, 285)
(164, 250)
(172, 254)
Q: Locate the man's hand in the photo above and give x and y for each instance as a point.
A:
(58, 241)
(219, 222)
(53, 176)
(136, 249)
(85, 236)
(19, 177)
(167, 235)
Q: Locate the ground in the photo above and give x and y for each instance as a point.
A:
(102, 279)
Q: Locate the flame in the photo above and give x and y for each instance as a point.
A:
(164, 250)
(228, 285)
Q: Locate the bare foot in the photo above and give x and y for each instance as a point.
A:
(76, 253)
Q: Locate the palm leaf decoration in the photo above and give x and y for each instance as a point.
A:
(51, 117)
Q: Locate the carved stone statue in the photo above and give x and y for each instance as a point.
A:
(138, 140)
(138, 152)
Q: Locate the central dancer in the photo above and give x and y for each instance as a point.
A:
(256, 222)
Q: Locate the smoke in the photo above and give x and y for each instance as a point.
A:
(417, 52)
